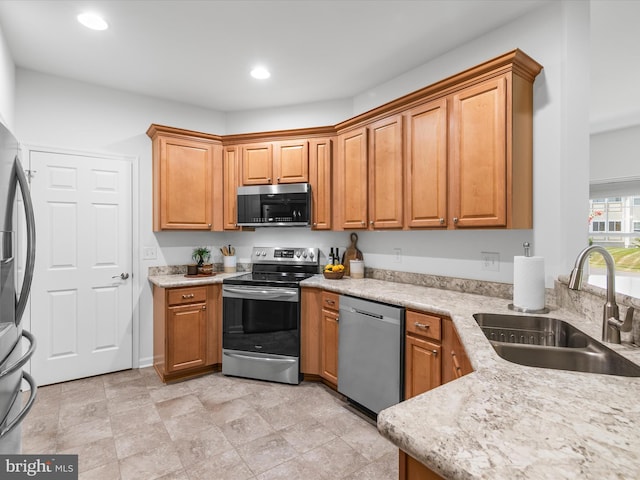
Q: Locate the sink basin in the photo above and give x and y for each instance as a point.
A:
(551, 343)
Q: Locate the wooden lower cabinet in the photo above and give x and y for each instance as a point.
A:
(329, 342)
(412, 469)
(186, 330)
(422, 366)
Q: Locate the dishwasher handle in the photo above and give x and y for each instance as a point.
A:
(368, 314)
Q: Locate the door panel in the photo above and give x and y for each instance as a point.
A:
(81, 308)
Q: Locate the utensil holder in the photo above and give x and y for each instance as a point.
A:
(229, 262)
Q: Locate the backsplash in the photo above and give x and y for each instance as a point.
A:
(182, 269)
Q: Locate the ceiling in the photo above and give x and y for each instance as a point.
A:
(201, 52)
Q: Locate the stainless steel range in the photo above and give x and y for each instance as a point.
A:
(261, 315)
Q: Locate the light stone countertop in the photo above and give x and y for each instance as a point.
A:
(180, 280)
(507, 421)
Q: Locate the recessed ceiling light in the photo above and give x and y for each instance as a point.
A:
(260, 73)
(92, 21)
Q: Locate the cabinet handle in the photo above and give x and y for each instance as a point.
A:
(434, 352)
(278, 179)
(442, 221)
(209, 225)
(204, 307)
(456, 364)
(330, 302)
(363, 222)
(315, 224)
(269, 179)
(421, 325)
(371, 222)
(191, 295)
(455, 219)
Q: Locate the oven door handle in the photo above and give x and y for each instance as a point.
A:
(261, 358)
(288, 295)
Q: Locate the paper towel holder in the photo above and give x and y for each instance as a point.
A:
(511, 306)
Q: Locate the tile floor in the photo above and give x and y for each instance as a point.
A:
(129, 425)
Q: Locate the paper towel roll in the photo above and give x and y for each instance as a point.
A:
(528, 282)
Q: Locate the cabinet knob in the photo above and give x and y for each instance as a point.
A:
(442, 221)
(371, 222)
(204, 307)
(363, 222)
(455, 219)
(434, 352)
(209, 225)
(269, 180)
(315, 224)
(278, 179)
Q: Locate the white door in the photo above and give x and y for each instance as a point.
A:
(81, 305)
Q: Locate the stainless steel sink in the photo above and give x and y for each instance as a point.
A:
(551, 343)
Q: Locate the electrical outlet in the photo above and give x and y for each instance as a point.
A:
(149, 253)
(490, 261)
(397, 255)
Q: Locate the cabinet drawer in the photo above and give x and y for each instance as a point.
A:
(330, 301)
(183, 296)
(423, 324)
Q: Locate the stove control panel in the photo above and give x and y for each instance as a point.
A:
(293, 255)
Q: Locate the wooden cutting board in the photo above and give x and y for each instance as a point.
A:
(351, 253)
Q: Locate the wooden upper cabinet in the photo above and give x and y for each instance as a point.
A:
(385, 173)
(185, 181)
(275, 162)
(350, 180)
(479, 189)
(257, 164)
(291, 161)
(231, 176)
(320, 158)
(426, 165)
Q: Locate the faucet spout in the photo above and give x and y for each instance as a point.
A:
(610, 329)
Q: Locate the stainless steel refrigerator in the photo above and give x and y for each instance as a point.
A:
(13, 297)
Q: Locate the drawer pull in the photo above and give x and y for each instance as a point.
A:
(421, 325)
(330, 302)
(190, 295)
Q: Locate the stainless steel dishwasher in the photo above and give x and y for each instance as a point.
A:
(370, 353)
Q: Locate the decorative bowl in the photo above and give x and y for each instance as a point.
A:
(333, 275)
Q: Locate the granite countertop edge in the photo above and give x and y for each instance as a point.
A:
(504, 420)
(181, 280)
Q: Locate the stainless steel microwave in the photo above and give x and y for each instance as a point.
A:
(287, 205)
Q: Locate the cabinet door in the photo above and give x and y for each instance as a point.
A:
(422, 366)
(291, 162)
(426, 166)
(385, 173)
(320, 179)
(329, 356)
(411, 469)
(257, 164)
(455, 362)
(186, 336)
(310, 330)
(351, 180)
(479, 155)
(230, 172)
(183, 184)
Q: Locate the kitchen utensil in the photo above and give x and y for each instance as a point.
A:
(351, 253)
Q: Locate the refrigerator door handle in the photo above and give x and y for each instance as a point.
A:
(25, 409)
(31, 241)
(24, 358)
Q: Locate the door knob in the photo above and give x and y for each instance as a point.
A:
(122, 276)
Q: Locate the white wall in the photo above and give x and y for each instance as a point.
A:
(7, 84)
(58, 112)
(615, 155)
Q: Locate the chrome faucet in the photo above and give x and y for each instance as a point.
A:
(611, 323)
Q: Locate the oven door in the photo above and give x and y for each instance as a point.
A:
(261, 319)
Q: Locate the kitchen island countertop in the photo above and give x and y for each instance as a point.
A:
(506, 421)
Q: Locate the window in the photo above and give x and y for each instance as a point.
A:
(636, 226)
(636, 201)
(615, 226)
(598, 226)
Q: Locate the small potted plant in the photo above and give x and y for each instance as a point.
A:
(202, 256)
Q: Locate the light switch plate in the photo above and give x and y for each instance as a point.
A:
(490, 261)
(149, 253)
